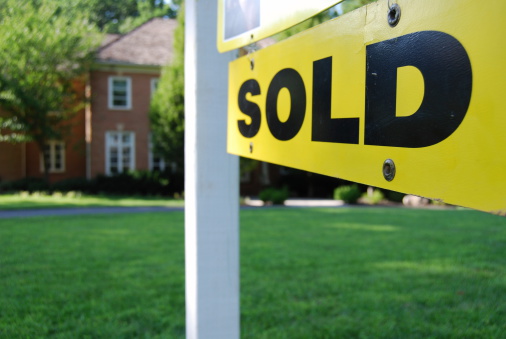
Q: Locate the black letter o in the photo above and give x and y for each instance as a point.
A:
(290, 79)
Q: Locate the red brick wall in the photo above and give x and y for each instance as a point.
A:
(134, 120)
(103, 120)
(11, 161)
(75, 154)
(20, 160)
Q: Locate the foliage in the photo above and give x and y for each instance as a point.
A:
(350, 5)
(132, 183)
(394, 196)
(45, 47)
(113, 16)
(72, 185)
(167, 106)
(145, 10)
(138, 182)
(331, 13)
(349, 193)
(374, 197)
(247, 165)
(276, 196)
(28, 184)
(313, 21)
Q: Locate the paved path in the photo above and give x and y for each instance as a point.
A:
(82, 211)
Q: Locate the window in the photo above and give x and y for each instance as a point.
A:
(119, 152)
(54, 155)
(120, 93)
(154, 85)
(156, 163)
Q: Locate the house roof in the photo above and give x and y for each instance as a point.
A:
(109, 38)
(148, 44)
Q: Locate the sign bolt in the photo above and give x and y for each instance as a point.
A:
(389, 170)
(251, 147)
(394, 15)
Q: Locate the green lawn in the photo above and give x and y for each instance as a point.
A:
(25, 200)
(305, 273)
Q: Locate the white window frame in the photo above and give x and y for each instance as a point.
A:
(110, 92)
(120, 145)
(52, 157)
(151, 157)
(154, 85)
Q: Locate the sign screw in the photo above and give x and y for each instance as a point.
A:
(394, 15)
(251, 147)
(389, 170)
(252, 64)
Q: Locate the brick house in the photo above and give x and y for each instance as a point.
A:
(122, 82)
(112, 134)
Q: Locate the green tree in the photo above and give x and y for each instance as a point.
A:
(167, 106)
(145, 10)
(45, 47)
(350, 5)
(113, 16)
(331, 13)
(313, 21)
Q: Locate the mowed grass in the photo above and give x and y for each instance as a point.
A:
(305, 273)
(58, 200)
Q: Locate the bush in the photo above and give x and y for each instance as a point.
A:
(133, 183)
(274, 195)
(26, 184)
(375, 198)
(348, 194)
(394, 196)
(71, 185)
(138, 182)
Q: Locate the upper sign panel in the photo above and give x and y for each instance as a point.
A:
(415, 106)
(242, 22)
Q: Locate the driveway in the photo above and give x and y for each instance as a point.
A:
(83, 211)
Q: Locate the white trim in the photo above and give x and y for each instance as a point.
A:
(52, 157)
(128, 89)
(127, 68)
(154, 85)
(120, 145)
(151, 157)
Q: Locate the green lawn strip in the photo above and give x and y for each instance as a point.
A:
(305, 273)
(35, 201)
(373, 273)
(104, 276)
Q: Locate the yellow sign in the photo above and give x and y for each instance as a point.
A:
(413, 102)
(242, 22)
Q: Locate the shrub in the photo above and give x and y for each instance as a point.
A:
(72, 184)
(133, 183)
(394, 196)
(138, 182)
(26, 184)
(375, 198)
(348, 194)
(274, 195)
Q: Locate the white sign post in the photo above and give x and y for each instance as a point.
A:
(211, 184)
